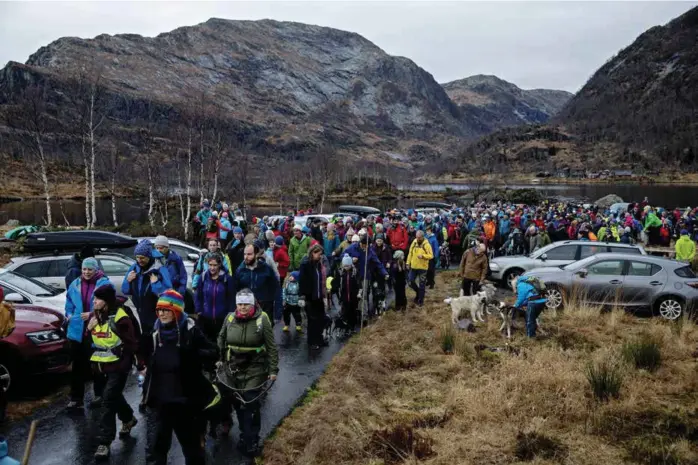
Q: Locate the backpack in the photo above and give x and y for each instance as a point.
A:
(7, 319)
(664, 232)
(537, 284)
(135, 321)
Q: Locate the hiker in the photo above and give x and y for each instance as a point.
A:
(312, 277)
(176, 393)
(258, 276)
(291, 294)
(214, 247)
(330, 244)
(173, 263)
(398, 272)
(215, 297)
(473, 269)
(369, 272)
(201, 218)
(397, 235)
(298, 247)
(236, 250)
(418, 264)
(281, 257)
(434, 243)
(685, 248)
(348, 288)
(114, 338)
(75, 264)
(250, 363)
(226, 228)
(529, 298)
(78, 309)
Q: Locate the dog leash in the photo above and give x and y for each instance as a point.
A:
(266, 385)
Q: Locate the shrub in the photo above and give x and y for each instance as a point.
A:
(605, 379)
(447, 338)
(643, 353)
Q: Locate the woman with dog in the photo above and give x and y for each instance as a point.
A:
(473, 269)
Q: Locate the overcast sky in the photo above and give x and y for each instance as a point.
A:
(534, 45)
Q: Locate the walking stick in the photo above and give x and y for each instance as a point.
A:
(364, 287)
(30, 442)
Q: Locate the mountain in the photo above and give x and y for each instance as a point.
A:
(279, 88)
(639, 111)
(496, 103)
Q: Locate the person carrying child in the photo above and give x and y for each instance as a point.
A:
(290, 300)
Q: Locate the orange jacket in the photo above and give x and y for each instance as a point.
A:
(489, 229)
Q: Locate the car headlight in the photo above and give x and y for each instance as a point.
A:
(494, 267)
(44, 337)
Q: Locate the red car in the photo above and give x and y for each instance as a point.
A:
(36, 346)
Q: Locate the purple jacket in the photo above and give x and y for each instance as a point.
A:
(215, 298)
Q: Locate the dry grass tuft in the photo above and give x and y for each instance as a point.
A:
(392, 396)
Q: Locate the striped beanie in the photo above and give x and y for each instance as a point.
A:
(173, 301)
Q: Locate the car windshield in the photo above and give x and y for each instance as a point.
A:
(28, 285)
(579, 264)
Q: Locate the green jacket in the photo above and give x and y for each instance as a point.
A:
(652, 221)
(248, 350)
(685, 249)
(297, 249)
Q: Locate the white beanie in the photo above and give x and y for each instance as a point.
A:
(346, 260)
(161, 241)
(355, 238)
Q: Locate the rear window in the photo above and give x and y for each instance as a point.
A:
(630, 250)
(685, 272)
(35, 269)
(643, 269)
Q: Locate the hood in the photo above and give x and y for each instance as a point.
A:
(74, 262)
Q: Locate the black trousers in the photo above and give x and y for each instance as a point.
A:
(470, 286)
(400, 296)
(161, 422)
(350, 313)
(294, 310)
(268, 308)
(113, 405)
(315, 311)
(80, 352)
(249, 421)
(431, 273)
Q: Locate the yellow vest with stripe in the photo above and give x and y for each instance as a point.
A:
(105, 340)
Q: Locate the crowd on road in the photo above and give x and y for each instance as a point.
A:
(203, 353)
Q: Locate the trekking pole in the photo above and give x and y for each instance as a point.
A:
(30, 442)
(364, 287)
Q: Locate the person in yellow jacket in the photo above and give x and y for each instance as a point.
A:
(685, 248)
(418, 263)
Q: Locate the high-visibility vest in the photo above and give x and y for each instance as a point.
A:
(105, 341)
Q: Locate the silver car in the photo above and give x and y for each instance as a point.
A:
(556, 254)
(666, 287)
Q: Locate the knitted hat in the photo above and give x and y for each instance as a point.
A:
(224, 215)
(684, 232)
(297, 227)
(355, 238)
(144, 249)
(106, 292)
(161, 241)
(380, 236)
(305, 230)
(237, 230)
(173, 301)
(347, 261)
(269, 235)
(279, 241)
(90, 263)
(399, 255)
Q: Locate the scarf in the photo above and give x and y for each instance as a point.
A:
(170, 332)
(244, 316)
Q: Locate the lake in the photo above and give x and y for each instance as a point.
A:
(128, 210)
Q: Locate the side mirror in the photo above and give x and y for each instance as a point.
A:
(192, 257)
(582, 273)
(544, 257)
(14, 298)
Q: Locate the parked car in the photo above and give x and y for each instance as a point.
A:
(36, 346)
(51, 269)
(556, 254)
(19, 289)
(667, 287)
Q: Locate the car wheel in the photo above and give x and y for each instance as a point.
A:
(555, 298)
(511, 274)
(670, 308)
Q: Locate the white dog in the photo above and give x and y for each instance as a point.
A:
(475, 304)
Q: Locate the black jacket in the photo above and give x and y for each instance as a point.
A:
(74, 270)
(196, 353)
(236, 255)
(310, 282)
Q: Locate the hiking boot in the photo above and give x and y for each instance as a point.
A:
(299, 329)
(285, 329)
(127, 427)
(96, 402)
(102, 453)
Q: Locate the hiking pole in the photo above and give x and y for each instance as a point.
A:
(364, 287)
(30, 442)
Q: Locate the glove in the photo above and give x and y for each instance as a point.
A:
(301, 303)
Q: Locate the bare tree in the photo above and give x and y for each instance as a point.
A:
(114, 165)
(242, 181)
(29, 121)
(323, 166)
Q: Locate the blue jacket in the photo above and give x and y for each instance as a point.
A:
(143, 293)
(374, 265)
(263, 283)
(434, 243)
(177, 272)
(73, 307)
(226, 223)
(5, 459)
(504, 227)
(216, 298)
(330, 245)
(524, 292)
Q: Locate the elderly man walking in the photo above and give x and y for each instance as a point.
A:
(418, 264)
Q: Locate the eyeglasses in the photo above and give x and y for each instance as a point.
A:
(162, 310)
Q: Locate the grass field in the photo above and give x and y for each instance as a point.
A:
(393, 396)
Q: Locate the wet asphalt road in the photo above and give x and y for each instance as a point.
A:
(65, 438)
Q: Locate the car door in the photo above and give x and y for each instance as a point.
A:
(603, 282)
(642, 281)
(115, 270)
(561, 255)
(55, 274)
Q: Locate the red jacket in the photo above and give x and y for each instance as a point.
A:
(398, 237)
(282, 261)
(454, 234)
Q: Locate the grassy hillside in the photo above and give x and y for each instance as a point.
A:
(392, 396)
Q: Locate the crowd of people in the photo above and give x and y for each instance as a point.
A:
(202, 357)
